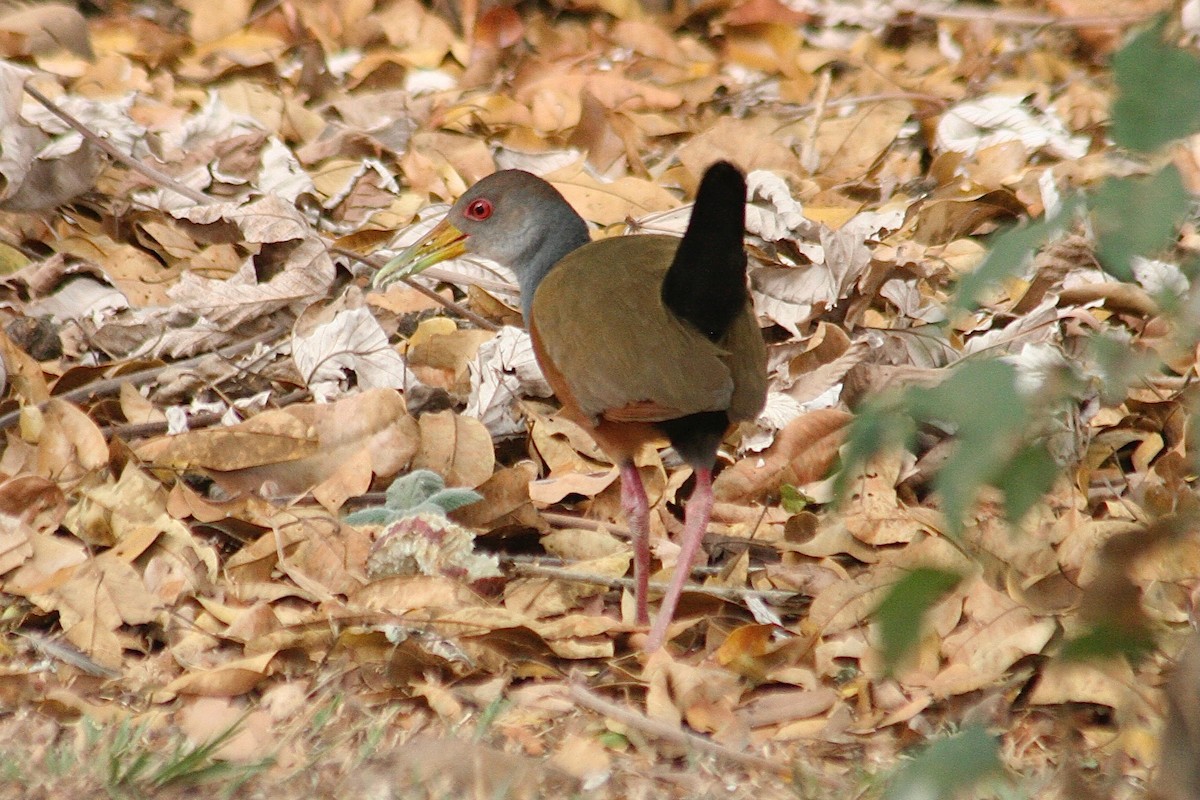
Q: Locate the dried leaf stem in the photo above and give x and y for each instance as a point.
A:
(1026, 19)
(159, 177)
(110, 385)
(775, 596)
(661, 730)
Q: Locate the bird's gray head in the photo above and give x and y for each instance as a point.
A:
(519, 221)
(512, 217)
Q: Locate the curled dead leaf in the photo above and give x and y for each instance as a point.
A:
(69, 444)
(505, 500)
(230, 679)
(15, 544)
(803, 452)
(41, 28)
(331, 450)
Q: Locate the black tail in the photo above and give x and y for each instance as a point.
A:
(706, 283)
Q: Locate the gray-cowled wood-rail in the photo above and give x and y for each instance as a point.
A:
(641, 337)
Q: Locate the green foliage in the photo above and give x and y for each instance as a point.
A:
(1106, 640)
(879, 424)
(995, 427)
(792, 499)
(420, 491)
(948, 767)
(122, 760)
(1028, 475)
(902, 610)
(988, 416)
(990, 420)
(1119, 365)
(1158, 102)
(1137, 216)
(489, 716)
(1011, 251)
(1158, 88)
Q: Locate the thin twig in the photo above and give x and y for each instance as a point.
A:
(711, 539)
(1025, 19)
(463, 279)
(808, 151)
(558, 561)
(572, 521)
(161, 178)
(662, 730)
(111, 385)
(204, 419)
(778, 597)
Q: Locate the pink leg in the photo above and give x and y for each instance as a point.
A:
(637, 514)
(696, 516)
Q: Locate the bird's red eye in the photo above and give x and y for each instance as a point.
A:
(479, 209)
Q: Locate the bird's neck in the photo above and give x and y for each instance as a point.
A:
(569, 234)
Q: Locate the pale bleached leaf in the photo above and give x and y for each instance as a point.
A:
(281, 175)
(973, 125)
(231, 302)
(1036, 325)
(1160, 277)
(771, 211)
(504, 371)
(350, 343)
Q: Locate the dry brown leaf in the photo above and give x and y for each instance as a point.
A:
(401, 594)
(750, 143)
(610, 203)
(843, 605)
(204, 719)
(16, 546)
(803, 452)
(44, 28)
(53, 562)
(758, 12)
(995, 633)
(36, 500)
(137, 409)
(331, 450)
(851, 145)
(1100, 38)
(875, 514)
(505, 500)
(703, 696)
(100, 596)
(563, 446)
(456, 447)
(786, 705)
(600, 134)
(1106, 683)
(442, 360)
(583, 544)
(959, 211)
(549, 491)
(24, 375)
(538, 598)
(743, 651)
(69, 444)
(230, 679)
(770, 48)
